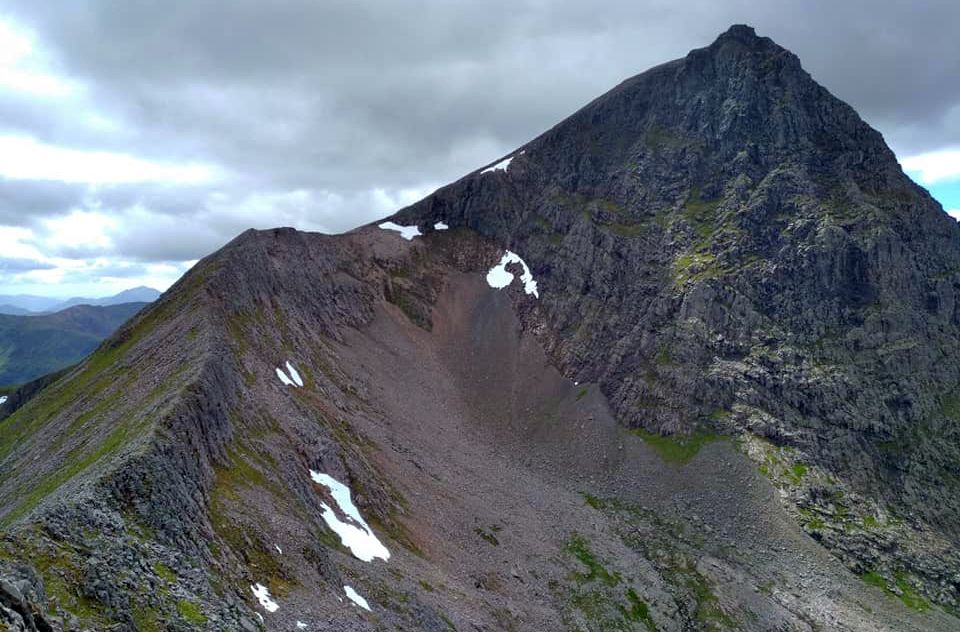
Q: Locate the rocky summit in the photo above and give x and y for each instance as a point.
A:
(686, 361)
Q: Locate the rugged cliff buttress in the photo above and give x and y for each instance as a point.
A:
(686, 361)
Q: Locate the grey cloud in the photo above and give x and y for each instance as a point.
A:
(23, 202)
(16, 266)
(339, 98)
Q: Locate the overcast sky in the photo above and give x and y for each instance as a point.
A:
(137, 136)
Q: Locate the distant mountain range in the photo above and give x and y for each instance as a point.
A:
(34, 345)
(26, 304)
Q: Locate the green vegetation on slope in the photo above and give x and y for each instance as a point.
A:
(678, 449)
(599, 596)
(32, 346)
(96, 387)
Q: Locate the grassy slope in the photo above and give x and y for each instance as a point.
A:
(32, 346)
(86, 417)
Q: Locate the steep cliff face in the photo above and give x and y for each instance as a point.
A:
(724, 244)
(371, 431)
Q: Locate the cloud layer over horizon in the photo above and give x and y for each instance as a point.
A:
(136, 139)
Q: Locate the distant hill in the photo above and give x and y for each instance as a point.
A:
(13, 310)
(140, 294)
(24, 304)
(32, 346)
(27, 303)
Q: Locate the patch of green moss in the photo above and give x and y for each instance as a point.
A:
(870, 522)
(708, 610)
(909, 595)
(874, 578)
(487, 535)
(191, 612)
(146, 619)
(700, 214)
(578, 546)
(796, 473)
(594, 502)
(694, 266)
(638, 611)
(582, 392)
(816, 523)
(165, 573)
(678, 449)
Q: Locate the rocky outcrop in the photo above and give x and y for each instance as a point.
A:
(22, 600)
(721, 243)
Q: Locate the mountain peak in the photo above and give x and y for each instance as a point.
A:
(740, 41)
(743, 34)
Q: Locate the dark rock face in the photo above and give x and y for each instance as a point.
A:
(21, 600)
(723, 243)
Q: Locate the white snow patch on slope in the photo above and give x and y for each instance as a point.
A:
(499, 277)
(301, 625)
(355, 598)
(294, 374)
(3, 399)
(503, 165)
(356, 535)
(407, 232)
(262, 593)
(279, 550)
(293, 379)
(283, 378)
(440, 226)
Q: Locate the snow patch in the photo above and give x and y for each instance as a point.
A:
(356, 535)
(498, 277)
(283, 378)
(503, 165)
(259, 616)
(293, 379)
(262, 593)
(407, 232)
(301, 625)
(3, 399)
(440, 226)
(355, 598)
(279, 550)
(294, 374)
